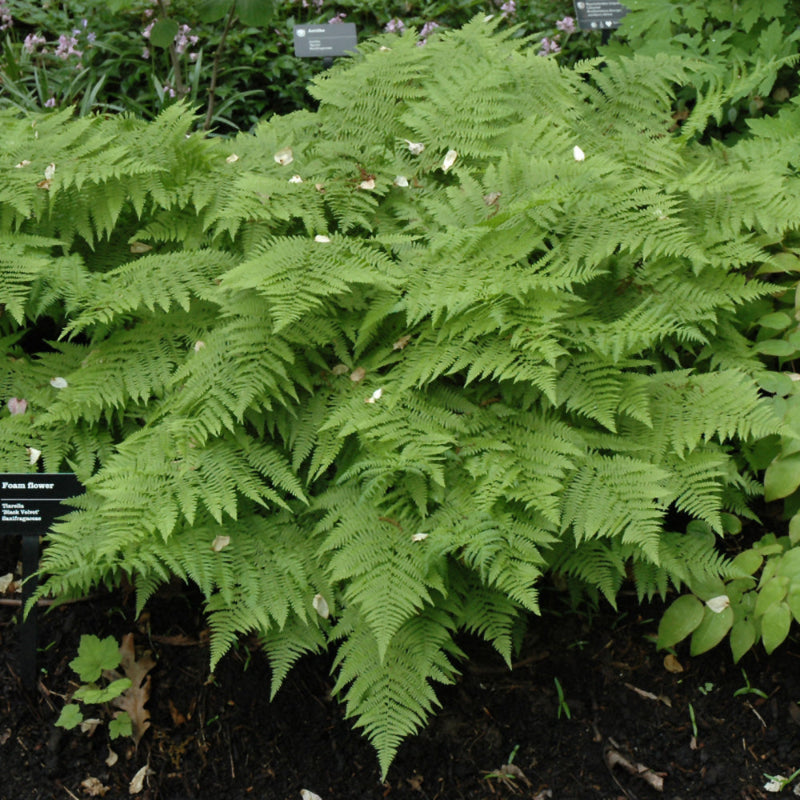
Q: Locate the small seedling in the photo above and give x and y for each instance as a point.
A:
(95, 657)
(777, 783)
(693, 720)
(748, 689)
(509, 773)
(563, 708)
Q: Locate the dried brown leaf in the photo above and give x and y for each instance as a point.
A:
(133, 700)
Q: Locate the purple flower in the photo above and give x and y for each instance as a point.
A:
(33, 41)
(509, 9)
(17, 405)
(549, 46)
(567, 25)
(395, 25)
(67, 46)
(145, 52)
(338, 18)
(50, 103)
(183, 40)
(146, 31)
(427, 29)
(6, 20)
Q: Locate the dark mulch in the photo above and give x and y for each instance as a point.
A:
(220, 737)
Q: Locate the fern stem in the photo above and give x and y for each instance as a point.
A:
(212, 89)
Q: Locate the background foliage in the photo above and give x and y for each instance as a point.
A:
(115, 65)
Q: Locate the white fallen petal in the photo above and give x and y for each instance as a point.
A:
(58, 383)
(419, 537)
(295, 179)
(137, 781)
(449, 160)
(718, 604)
(376, 395)
(415, 147)
(401, 180)
(578, 154)
(6, 581)
(306, 795)
(199, 345)
(321, 606)
(321, 238)
(33, 454)
(220, 543)
(368, 184)
(23, 163)
(232, 158)
(49, 172)
(284, 157)
(111, 758)
(93, 787)
(89, 725)
(340, 369)
(140, 247)
(775, 784)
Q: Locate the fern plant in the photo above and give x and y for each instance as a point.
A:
(366, 375)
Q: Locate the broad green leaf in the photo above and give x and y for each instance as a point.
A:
(770, 594)
(711, 631)
(102, 694)
(120, 726)
(789, 564)
(213, 10)
(775, 347)
(775, 626)
(782, 477)
(679, 620)
(776, 321)
(794, 601)
(257, 13)
(94, 656)
(70, 717)
(794, 529)
(747, 562)
(163, 33)
(743, 637)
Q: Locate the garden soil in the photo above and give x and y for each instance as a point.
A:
(590, 710)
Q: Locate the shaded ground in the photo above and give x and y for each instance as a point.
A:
(219, 737)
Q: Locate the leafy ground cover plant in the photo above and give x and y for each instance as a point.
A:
(97, 665)
(367, 375)
(233, 60)
(746, 34)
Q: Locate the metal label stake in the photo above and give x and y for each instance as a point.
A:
(29, 504)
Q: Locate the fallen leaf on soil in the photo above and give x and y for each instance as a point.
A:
(137, 781)
(177, 717)
(671, 664)
(613, 758)
(93, 787)
(133, 699)
(649, 695)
